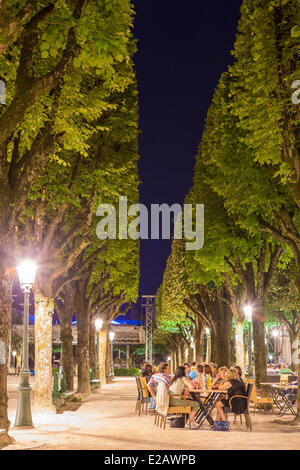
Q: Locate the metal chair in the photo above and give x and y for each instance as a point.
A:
(143, 395)
(263, 399)
(185, 409)
(246, 413)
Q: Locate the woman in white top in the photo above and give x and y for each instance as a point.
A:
(177, 385)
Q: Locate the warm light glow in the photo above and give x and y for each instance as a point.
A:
(248, 312)
(98, 324)
(275, 333)
(207, 331)
(169, 358)
(26, 271)
(14, 353)
(111, 336)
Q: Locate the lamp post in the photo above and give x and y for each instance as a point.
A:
(248, 314)
(111, 337)
(26, 272)
(98, 326)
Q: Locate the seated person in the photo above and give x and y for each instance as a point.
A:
(194, 366)
(191, 374)
(234, 386)
(147, 373)
(177, 385)
(238, 369)
(220, 377)
(162, 374)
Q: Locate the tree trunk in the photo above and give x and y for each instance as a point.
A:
(65, 315)
(102, 353)
(260, 350)
(83, 360)
(5, 302)
(67, 360)
(239, 344)
(221, 335)
(199, 343)
(182, 353)
(108, 359)
(92, 349)
(43, 352)
(190, 354)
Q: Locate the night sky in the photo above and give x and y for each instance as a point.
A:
(183, 48)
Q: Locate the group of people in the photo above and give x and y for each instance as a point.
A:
(196, 376)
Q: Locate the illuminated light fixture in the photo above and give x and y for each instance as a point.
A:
(98, 324)
(26, 272)
(248, 312)
(111, 336)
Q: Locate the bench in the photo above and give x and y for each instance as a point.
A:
(95, 383)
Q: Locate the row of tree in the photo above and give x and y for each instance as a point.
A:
(68, 142)
(247, 176)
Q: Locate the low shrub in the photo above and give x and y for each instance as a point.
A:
(126, 372)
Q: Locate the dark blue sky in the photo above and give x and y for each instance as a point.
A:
(183, 47)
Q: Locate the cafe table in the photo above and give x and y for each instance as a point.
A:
(280, 397)
(207, 405)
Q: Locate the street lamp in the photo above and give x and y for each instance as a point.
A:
(248, 315)
(111, 337)
(98, 326)
(26, 272)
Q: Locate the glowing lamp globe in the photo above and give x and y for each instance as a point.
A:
(248, 312)
(207, 331)
(98, 324)
(111, 336)
(26, 272)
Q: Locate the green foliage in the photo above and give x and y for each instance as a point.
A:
(126, 372)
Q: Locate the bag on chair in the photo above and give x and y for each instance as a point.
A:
(177, 422)
(221, 426)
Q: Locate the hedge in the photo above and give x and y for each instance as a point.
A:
(127, 372)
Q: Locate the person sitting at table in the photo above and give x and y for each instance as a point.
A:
(147, 374)
(208, 376)
(177, 386)
(213, 367)
(191, 374)
(238, 369)
(234, 386)
(220, 377)
(162, 374)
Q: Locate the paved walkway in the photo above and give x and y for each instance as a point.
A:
(106, 420)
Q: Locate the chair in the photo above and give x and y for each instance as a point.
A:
(262, 399)
(137, 405)
(143, 395)
(181, 409)
(249, 388)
